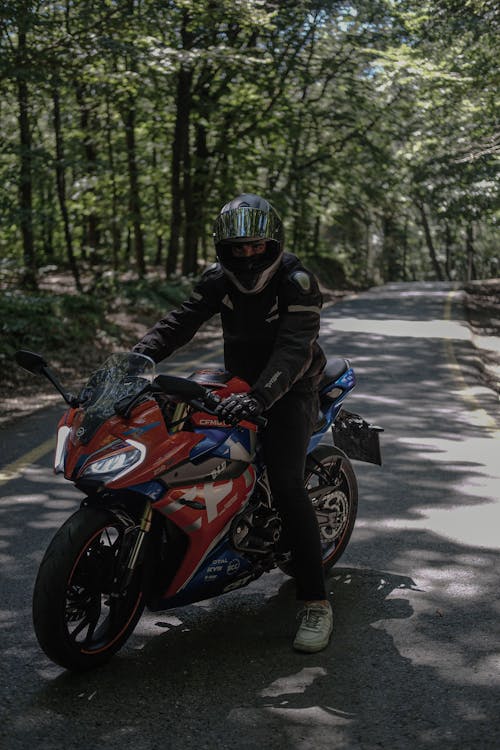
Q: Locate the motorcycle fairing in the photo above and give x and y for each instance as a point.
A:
(218, 454)
(152, 490)
(163, 450)
(233, 443)
(203, 511)
(334, 392)
(331, 394)
(223, 569)
(211, 468)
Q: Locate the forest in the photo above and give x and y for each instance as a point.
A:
(372, 126)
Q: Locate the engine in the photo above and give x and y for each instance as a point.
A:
(257, 530)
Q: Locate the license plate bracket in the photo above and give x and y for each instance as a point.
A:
(357, 438)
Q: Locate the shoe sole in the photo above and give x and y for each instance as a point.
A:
(311, 649)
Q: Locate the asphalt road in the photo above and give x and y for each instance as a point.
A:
(415, 656)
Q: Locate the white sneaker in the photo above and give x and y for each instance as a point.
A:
(315, 628)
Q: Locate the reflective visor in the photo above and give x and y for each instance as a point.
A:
(247, 222)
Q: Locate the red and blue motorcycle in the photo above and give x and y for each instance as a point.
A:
(177, 506)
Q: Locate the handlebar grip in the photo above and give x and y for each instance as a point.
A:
(212, 401)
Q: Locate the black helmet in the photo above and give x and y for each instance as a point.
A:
(249, 217)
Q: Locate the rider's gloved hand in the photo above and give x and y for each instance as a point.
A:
(238, 407)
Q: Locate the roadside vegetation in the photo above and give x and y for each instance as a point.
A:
(76, 330)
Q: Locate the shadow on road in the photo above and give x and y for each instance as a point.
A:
(223, 675)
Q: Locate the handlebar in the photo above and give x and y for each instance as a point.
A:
(196, 395)
(211, 405)
(192, 393)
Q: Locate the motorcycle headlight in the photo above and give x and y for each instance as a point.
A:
(62, 442)
(115, 466)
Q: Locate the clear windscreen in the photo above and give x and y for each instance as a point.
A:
(121, 376)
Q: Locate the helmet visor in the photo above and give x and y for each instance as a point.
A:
(247, 222)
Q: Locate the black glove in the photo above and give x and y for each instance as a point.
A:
(238, 407)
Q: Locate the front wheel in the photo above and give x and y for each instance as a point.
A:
(332, 486)
(80, 615)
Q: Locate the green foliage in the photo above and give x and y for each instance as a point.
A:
(48, 322)
(356, 119)
(331, 272)
(64, 323)
(154, 295)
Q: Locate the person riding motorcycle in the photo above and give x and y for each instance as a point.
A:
(270, 313)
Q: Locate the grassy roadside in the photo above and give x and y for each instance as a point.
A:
(482, 304)
(74, 332)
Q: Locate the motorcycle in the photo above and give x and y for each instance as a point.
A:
(177, 506)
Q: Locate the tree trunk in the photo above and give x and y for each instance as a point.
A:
(115, 226)
(390, 248)
(315, 239)
(469, 246)
(93, 232)
(135, 201)
(189, 256)
(429, 241)
(404, 261)
(180, 147)
(128, 247)
(194, 199)
(175, 185)
(158, 213)
(294, 181)
(61, 188)
(372, 269)
(29, 279)
(159, 250)
(48, 220)
(449, 242)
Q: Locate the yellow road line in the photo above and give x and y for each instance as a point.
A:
(16, 468)
(481, 416)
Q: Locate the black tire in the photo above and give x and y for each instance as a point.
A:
(333, 488)
(77, 623)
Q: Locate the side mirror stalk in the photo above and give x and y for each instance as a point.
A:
(35, 363)
(70, 399)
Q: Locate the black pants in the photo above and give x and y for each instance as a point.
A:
(284, 442)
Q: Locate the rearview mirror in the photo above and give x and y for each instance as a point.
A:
(30, 361)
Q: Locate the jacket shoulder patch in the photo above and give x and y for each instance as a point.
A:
(213, 270)
(302, 280)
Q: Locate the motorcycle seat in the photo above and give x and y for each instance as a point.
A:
(335, 367)
(210, 378)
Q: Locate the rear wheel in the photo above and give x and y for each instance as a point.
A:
(81, 615)
(331, 483)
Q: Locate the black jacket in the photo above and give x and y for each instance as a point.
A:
(270, 338)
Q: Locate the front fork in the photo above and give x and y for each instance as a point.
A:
(128, 567)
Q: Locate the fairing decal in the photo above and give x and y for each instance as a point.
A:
(204, 525)
(223, 569)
